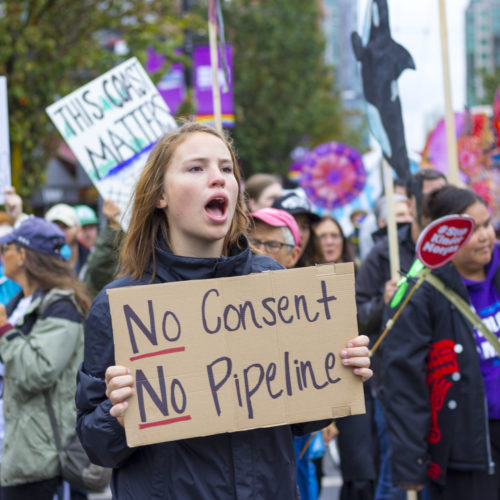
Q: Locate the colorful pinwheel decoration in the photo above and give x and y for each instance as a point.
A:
(332, 175)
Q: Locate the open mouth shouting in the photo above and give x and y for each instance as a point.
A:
(216, 208)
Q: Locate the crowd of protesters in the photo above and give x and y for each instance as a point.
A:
(193, 217)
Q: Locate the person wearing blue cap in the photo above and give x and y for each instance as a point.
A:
(41, 346)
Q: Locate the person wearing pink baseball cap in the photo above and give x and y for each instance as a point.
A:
(276, 234)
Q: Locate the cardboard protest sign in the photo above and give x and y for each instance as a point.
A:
(5, 180)
(229, 354)
(111, 124)
(440, 241)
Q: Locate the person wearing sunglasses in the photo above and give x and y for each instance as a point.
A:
(276, 234)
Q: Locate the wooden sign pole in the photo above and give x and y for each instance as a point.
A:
(214, 61)
(411, 495)
(451, 139)
(392, 232)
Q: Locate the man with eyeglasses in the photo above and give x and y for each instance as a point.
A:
(276, 234)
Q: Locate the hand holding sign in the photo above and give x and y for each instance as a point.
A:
(119, 387)
(356, 356)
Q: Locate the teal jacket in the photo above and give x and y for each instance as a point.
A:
(41, 353)
(8, 288)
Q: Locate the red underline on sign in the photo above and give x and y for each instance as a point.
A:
(165, 422)
(158, 353)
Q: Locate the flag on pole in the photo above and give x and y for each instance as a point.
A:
(215, 17)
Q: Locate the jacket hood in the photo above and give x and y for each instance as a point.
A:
(171, 267)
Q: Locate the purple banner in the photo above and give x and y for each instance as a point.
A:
(171, 86)
(202, 73)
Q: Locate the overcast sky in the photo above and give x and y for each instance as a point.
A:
(415, 25)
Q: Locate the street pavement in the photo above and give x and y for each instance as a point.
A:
(332, 480)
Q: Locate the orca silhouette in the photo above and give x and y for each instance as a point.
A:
(382, 62)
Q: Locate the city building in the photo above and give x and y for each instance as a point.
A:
(482, 45)
(340, 19)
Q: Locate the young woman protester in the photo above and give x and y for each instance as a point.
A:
(187, 222)
(41, 346)
(441, 380)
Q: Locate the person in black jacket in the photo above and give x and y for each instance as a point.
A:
(374, 289)
(374, 286)
(441, 378)
(187, 222)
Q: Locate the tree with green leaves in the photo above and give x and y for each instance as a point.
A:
(49, 48)
(491, 81)
(283, 91)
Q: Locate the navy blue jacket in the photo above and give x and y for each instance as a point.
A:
(254, 464)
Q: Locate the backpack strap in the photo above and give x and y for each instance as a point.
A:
(54, 295)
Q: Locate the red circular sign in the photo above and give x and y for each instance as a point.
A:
(440, 241)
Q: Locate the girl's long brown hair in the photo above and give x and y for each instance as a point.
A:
(47, 272)
(148, 224)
